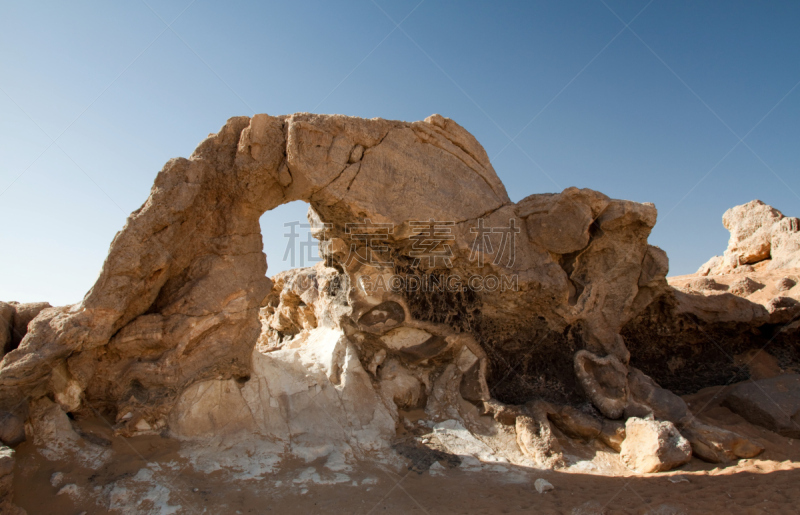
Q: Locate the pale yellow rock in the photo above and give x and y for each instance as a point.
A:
(653, 446)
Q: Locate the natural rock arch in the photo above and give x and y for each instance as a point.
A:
(178, 298)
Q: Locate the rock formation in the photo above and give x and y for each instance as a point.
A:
(737, 312)
(760, 234)
(436, 294)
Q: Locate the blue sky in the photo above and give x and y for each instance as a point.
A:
(693, 106)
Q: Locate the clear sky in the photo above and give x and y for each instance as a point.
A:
(694, 106)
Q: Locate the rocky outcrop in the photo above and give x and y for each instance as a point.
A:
(437, 301)
(759, 234)
(178, 298)
(745, 302)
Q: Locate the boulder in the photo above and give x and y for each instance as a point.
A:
(772, 403)
(653, 446)
(717, 445)
(12, 429)
(722, 308)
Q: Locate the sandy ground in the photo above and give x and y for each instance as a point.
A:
(165, 482)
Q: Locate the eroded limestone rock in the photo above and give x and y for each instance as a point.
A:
(736, 304)
(759, 232)
(184, 334)
(653, 446)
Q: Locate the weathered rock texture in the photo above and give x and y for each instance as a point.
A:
(179, 295)
(758, 233)
(14, 320)
(718, 326)
(184, 334)
(652, 446)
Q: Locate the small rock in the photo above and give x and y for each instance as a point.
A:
(744, 287)
(543, 485)
(437, 469)
(470, 462)
(785, 284)
(679, 479)
(707, 284)
(426, 440)
(57, 479)
(71, 490)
